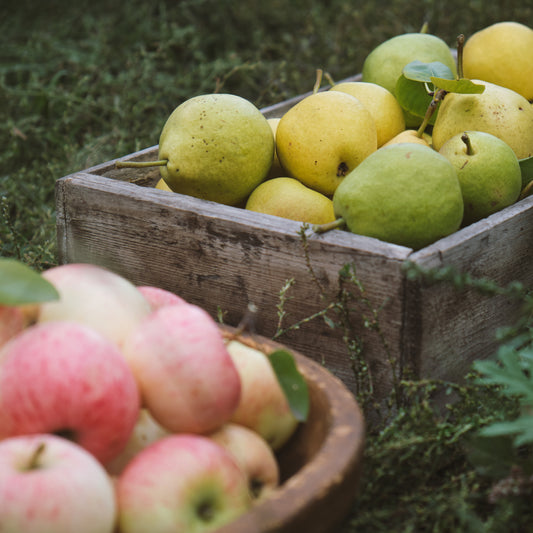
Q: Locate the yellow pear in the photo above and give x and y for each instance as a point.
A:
(502, 54)
(288, 198)
(497, 110)
(410, 136)
(275, 170)
(324, 137)
(161, 185)
(381, 103)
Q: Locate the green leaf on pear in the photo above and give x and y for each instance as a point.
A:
(292, 383)
(463, 85)
(414, 97)
(20, 285)
(423, 72)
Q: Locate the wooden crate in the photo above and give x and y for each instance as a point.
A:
(223, 258)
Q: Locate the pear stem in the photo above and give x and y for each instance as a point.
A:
(425, 27)
(466, 139)
(33, 463)
(141, 164)
(329, 78)
(318, 82)
(460, 47)
(328, 226)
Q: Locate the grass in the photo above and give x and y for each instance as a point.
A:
(84, 82)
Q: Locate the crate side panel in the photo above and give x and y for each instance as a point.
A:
(458, 326)
(224, 258)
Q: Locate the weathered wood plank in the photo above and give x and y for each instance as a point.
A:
(221, 256)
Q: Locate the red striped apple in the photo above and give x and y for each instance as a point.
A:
(263, 406)
(187, 379)
(12, 321)
(253, 454)
(94, 296)
(66, 378)
(180, 483)
(49, 484)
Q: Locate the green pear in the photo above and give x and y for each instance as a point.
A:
(406, 194)
(488, 171)
(384, 64)
(323, 137)
(217, 147)
(276, 169)
(497, 110)
(288, 198)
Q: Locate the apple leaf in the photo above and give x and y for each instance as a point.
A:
(413, 96)
(423, 72)
(292, 382)
(20, 285)
(526, 167)
(462, 86)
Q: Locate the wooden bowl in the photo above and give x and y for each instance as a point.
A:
(320, 465)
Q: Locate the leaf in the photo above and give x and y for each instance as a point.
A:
(462, 86)
(424, 72)
(292, 382)
(526, 167)
(522, 427)
(414, 97)
(20, 285)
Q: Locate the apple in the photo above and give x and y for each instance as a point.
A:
(66, 378)
(145, 432)
(94, 296)
(12, 321)
(51, 485)
(253, 454)
(158, 297)
(185, 374)
(263, 406)
(182, 482)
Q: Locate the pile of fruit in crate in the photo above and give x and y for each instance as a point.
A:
(427, 142)
(126, 408)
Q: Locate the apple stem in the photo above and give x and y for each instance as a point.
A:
(460, 46)
(141, 164)
(323, 228)
(318, 81)
(33, 463)
(466, 139)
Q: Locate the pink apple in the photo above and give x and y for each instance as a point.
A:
(263, 406)
(94, 296)
(158, 297)
(12, 321)
(185, 374)
(65, 378)
(181, 483)
(145, 432)
(253, 454)
(49, 484)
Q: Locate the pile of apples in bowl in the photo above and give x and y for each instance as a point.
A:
(124, 408)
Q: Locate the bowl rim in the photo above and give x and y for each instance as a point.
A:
(321, 492)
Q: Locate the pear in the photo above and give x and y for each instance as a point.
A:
(217, 147)
(384, 64)
(323, 137)
(288, 198)
(162, 185)
(383, 106)
(276, 169)
(488, 171)
(497, 110)
(501, 54)
(406, 194)
(410, 136)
